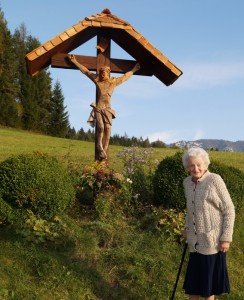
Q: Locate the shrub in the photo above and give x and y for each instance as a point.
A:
(34, 182)
(168, 183)
(169, 176)
(233, 178)
(8, 213)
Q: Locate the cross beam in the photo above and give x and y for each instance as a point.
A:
(121, 66)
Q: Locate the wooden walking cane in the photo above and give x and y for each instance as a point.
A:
(178, 275)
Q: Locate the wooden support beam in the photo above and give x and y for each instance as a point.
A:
(61, 60)
(120, 66)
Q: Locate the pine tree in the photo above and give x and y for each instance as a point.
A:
(59, 118)
(8, 77)
(90, 136)
(71, 134)
(35, 92)
(81, 134)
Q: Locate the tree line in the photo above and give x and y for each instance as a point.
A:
(34, 103)
(27, 102)
(119, 140)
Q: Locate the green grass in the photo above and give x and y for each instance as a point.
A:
(13, 142)
(94, 260)
(99, 261)
(234, 159)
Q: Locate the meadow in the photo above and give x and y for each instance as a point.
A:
(13, 142)
(129, 259)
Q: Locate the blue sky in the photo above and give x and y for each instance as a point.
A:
(205, 39)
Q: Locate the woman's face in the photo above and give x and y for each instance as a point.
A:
(197, 167)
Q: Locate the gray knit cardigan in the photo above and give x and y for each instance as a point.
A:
(210, 213)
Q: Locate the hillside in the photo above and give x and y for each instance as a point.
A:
(122, 258)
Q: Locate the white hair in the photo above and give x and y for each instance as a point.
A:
(195, 152)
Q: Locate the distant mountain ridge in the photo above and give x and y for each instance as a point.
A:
(207, 144)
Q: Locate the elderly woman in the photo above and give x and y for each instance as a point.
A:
(208, 229)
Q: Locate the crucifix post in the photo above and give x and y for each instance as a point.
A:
(103, 59)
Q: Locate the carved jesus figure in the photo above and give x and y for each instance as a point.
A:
(102, 113)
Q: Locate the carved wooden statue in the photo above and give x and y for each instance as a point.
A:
(102, 113)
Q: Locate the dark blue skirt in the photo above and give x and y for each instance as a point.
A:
(206, 275)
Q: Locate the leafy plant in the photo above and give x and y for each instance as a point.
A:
(171, 222)
(38, 230)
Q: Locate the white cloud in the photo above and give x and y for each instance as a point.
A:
(201, 75)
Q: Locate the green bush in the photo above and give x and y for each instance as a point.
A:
(8, 214)
(34, 182)
(169, 176)
(234, 180)
(168, 183)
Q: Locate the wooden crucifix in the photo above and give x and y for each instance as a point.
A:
(102, 113)
(106, 27)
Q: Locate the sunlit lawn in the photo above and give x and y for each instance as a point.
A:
(13, 142)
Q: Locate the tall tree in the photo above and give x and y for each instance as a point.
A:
(81, 134)
(71, 134)
(8, 77)
(35, 92)
(59, 118)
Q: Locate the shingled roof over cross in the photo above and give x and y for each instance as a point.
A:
(55, 51)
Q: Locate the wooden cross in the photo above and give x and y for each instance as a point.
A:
(102, 59)
(106, 27)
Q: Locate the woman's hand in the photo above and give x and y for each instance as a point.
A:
(224, 246)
